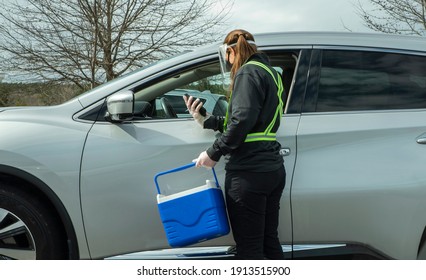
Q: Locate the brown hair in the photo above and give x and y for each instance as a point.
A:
(243, 49)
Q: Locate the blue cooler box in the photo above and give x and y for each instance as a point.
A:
(194, 215)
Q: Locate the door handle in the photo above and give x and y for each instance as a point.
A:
(285, 152)
(421, 140)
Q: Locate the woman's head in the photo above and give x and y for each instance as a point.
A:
(240, 47)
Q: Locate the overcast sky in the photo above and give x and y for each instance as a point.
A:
(296, 15)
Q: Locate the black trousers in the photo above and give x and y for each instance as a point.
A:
(253, 203)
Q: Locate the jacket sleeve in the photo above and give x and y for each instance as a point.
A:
(246, 104)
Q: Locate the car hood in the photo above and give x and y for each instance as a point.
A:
(2, 109)
(25, 108)
(67, 110)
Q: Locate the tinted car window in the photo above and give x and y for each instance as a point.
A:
(361, 80)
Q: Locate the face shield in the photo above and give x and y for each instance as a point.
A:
(225, 65)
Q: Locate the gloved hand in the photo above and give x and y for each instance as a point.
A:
(204, 160)
(194, 107)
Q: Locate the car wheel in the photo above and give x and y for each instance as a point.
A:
(28, 230)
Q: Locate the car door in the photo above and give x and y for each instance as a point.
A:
(121, 159)
(359, 177)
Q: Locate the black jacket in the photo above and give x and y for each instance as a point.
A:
(251, 109)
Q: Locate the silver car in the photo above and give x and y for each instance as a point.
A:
(76, 180)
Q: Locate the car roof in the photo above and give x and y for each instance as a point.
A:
(378, 40)
(327, 39)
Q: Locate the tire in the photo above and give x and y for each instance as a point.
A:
(28, 229)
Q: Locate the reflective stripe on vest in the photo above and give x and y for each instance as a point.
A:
(266, 135)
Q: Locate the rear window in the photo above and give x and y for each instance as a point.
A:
(361, 80)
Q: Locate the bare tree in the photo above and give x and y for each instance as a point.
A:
(88, 42)
(395, 16)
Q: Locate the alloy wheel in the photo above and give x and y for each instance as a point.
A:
(16, 240)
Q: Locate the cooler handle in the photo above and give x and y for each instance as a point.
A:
(192, 164)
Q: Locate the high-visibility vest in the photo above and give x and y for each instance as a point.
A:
(266, 135)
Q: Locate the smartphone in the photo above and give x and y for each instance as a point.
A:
(202, 111)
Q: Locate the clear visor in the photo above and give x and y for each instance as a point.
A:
(225, 66)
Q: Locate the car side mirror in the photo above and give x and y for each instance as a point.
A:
(120, 106)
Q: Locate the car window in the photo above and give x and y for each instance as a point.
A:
(361, 80)
(203, 82)
(166, 96)
(175, 98)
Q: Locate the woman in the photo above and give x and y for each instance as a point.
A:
(255, 174)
